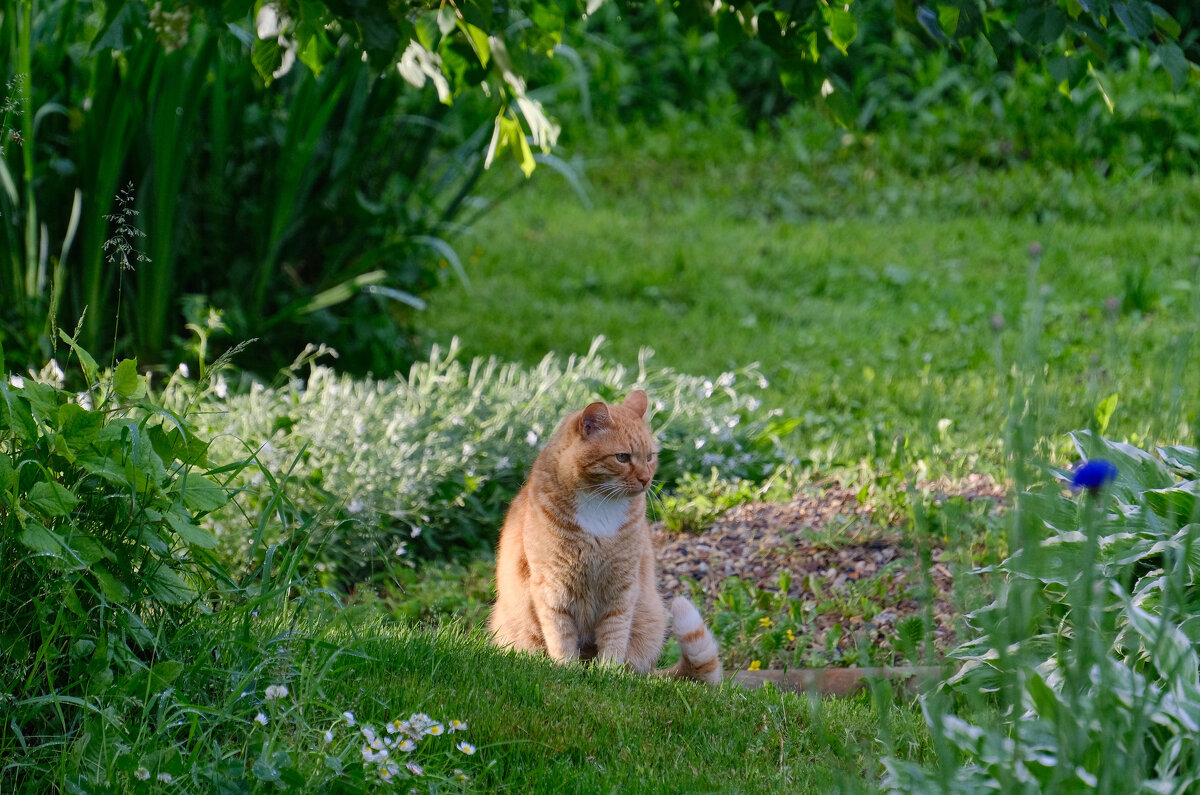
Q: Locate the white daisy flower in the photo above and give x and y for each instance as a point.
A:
(349, 716)
(466, 748)
(141, 774)
(261, 719)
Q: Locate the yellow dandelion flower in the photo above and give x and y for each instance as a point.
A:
(755, 665)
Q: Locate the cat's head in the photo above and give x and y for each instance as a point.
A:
(610, 450)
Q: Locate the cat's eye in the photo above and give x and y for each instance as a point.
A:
(622, 458)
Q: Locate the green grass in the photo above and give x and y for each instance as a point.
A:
(878, 304)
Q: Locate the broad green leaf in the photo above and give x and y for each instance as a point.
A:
(843, 28)
(199, 493)
(267, 57)
(16, 414)
(479, 42)
(167, 586)
(1176, 63)
(126, 381)
(8, 475)
(1136, 17)
(39, 539)
(79, 427)
(1169, 649)
(110, 469)
(1177, 502)
(190, 533)
(1183, 459)
(1104, 412)
(162, 674)
(52, 499)
(87, 548)
(112, 588)
(948, 18)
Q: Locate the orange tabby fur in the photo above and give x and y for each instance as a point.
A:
(575, 570)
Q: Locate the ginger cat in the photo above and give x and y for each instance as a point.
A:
(575, 573)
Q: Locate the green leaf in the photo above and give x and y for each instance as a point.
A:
(162, 674)
(112, 588)
(110, 469)
(199, 493)
(267, 57)
(87, 548)
(78, 425)
(86, 362)
(126, 381)
(1184, 459)
(52, 499)
(843, 28)
(15, 413)
(190, 533)
(1177, 502)
(8, 475)
(1176, 63)
(479, 42)
(1104, 412)
(39, 539)
(1136, 17)
(167, 586)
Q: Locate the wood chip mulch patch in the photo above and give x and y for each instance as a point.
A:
(827, 540)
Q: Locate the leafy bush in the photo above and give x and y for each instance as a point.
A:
(1090, 649)
(101, 495)
(427, 464)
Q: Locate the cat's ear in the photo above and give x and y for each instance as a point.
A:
(594, 420)
(637, 402)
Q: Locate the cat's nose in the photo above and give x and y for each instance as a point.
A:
(644, 479)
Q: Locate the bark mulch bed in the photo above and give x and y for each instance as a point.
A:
(827, 540)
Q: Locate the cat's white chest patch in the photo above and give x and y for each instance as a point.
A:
(601, 516)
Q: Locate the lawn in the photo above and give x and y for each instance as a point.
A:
(878, 304)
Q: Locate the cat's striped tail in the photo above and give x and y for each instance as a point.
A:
(699, 658)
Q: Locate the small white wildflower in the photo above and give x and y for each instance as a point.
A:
(355, 506)
(531, 438)
(458, 725)
(368, 755)
(753, 403)
(261, 719)
(460, 776)
(368, 733)
(221, 388)
(415, 532)
(349, 716)
(141, 774)
(763, 383)
(51, 374)
(466, 748)
(725, 380)
(436, 730)
(706, 389)
(329, 735)
(414, 768)
(183, 370)
(700, 442)
(468, 450)
(395, 726)
(276, 691)
(407, 745)
(16, 381)
(388, 771)
(401, 549)
(165, 778)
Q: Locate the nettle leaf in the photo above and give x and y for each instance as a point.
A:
(52, 499)
(88, 549)
(843, 28)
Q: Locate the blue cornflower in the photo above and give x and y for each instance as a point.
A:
(1094, 474)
